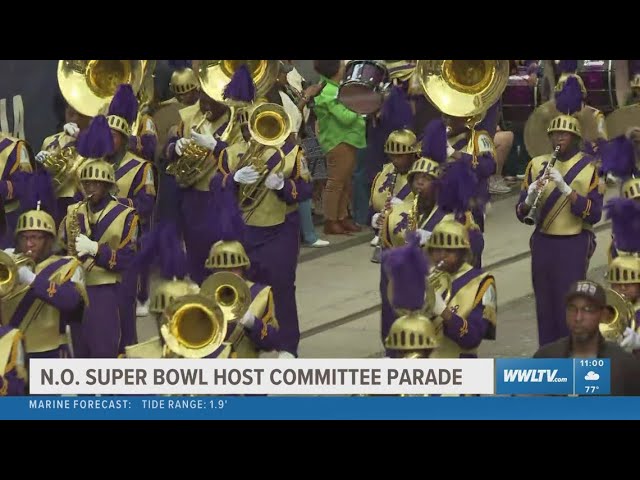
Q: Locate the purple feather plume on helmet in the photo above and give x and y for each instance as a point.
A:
(624, 214)
(568, 66)
(618, 157)
(42, 191)
(162, 247)
(241, 87)
(96, 141)
(407, 268)
(124, 103)
(434, 141)
(179, 64)
(396, 111)
(456, 187)
(569, 99)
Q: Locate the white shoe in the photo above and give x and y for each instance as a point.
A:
(318, 244)
(374, 242)
(142, 309)
(285, 355)
(498, 186)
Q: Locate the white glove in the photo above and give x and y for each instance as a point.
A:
(395, 201)
(556, 176)
(631, 339)
(374, 220)
(204, 140)
(248, 320)
(71, 129)
(86, 246)
(424, 236)
(10, 251)
(41, 156)
(285, 355)
(181, 144)
(275, 181)
(25, 275)
(532, 191)
(246, 175)
(440, 306)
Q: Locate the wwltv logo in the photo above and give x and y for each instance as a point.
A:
(533, 376)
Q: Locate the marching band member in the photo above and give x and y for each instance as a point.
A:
(67, 192)
(570, 203)
(257, 330)
(413, 335)
(185, 86)
(135, 180)
(273, 226)
(480, 155)
(390, 186)
(47, 300)
(197, 226)
(102, 233)
(619, 159)
(15, 165)
(465, 309)
(13, 371)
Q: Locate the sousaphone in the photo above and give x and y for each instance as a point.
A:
(463, 88)
(89, 85)
(214, 75)
(622, 119)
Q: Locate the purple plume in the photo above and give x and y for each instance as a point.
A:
(407, 267)
(618, 157)
(434, 141)
(41, 189)
(569, 99)
(162, 246)
(396, 111)
(625, 223)
(124, 103)
(241, 87)
(179, 64)
(457, 185)
(568, 66)
(96, 141)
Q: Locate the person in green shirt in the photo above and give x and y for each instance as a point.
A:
(341, 132)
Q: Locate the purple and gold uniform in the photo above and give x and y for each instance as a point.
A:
(13, 371)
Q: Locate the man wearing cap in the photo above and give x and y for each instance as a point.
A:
(569, 204)
(47, 300)
(585, 308)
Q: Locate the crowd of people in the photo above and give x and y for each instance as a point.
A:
(214, 190)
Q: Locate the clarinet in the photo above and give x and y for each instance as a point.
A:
(532, 216)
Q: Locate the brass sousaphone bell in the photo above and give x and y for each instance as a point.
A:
(463, 88)
(621, 316)
(89, 85)
(214, 75)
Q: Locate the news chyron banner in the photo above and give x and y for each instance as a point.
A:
(553, 376)
(262, 377)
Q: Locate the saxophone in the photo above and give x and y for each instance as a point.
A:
(413, 217)
(73, 228)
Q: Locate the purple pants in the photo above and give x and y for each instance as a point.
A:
(8, 239)
(557, 262)
(198, 228)
(127, 292)
(98, 335)
(273, 252)
(388, 314)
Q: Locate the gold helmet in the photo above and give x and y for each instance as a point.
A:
(631, 188)
(449, 234)
(400, 69)
(565, 123)
(167, 291)
(36, 220)
(227, 254)
(624, 269)
(183, 79)
(401, 142)
(412, 333)
(425, 165)
(98, 171)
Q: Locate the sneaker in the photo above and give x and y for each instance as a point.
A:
(497, 185)
(142, 309)
(318, 244)
(374, 241)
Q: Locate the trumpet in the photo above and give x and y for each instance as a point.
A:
(9, 265)
(532, 216)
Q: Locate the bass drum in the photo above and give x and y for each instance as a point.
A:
(599, 79)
